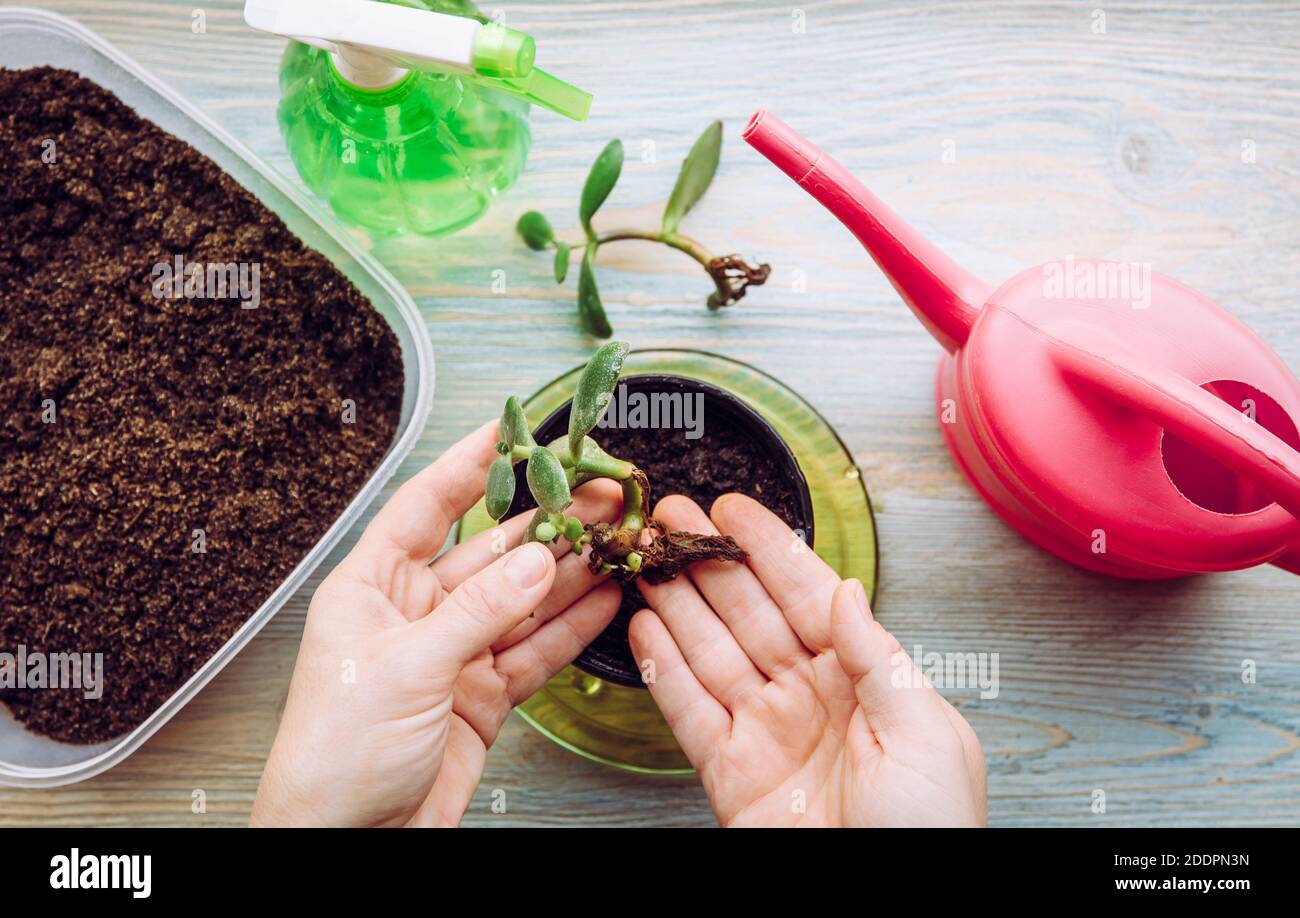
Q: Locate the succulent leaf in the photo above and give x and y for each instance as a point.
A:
(698, 169)
(500, 487)
(591, 311)
(535, 230)
(547, 481)
(600, 182)
(594, 390)
(513, 427)
(561, 261)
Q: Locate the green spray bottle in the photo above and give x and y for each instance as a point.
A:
(407, 115)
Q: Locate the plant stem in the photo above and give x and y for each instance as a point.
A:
(605, 467)
(633, 500)
(675, 240)
(730, 273)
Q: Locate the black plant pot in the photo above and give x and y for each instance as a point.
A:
(757, 461)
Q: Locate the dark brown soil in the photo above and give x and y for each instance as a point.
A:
(724, 460)
(730, 456)
(171, 414)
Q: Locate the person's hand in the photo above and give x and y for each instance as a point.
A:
(781, 689)
(408, 669)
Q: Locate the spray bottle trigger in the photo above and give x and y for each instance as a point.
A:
(374, 44)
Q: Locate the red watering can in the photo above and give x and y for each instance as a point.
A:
(1113, 416)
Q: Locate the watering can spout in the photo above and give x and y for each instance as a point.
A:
(944, 296)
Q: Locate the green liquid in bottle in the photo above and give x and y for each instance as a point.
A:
(425, 155)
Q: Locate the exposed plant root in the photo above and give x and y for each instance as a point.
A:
(610, 545)
(670, 553)
(733, 276)
(662, 559)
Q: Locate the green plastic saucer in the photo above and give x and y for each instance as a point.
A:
(622, 726)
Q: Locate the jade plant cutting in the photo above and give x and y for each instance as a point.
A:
(731, 274)
(637, 545)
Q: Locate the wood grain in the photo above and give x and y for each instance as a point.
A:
(1125, 145)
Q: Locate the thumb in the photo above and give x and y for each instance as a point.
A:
(892, 692)
(488, 605)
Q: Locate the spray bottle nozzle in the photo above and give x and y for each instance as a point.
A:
(374, 44)
(502, 52)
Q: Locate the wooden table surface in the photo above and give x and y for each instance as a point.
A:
(1010, 133)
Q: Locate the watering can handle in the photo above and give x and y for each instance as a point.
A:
(1177, 404)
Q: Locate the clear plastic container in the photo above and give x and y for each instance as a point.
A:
(30, 38)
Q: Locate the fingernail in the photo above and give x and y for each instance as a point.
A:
(527, 566)
(860, 597)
